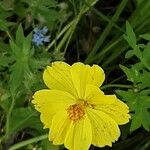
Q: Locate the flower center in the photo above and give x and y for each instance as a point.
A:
(76, 111)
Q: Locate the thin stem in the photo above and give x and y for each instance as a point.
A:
(115, 85)
(27, 142)
(72, 31)
(65, 38)
(106, 30)
(9, 35)
(59, 35)
(59, 30)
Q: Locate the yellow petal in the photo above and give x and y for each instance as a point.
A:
(79, 74)
(118, 111)
(96, 97)
(46, 118)
(48, 102)
(79, 135)
(104, 129)
(59, 127)
(58, 77)
(82, 75)
(97, 75)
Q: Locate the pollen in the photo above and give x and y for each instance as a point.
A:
(76, 112)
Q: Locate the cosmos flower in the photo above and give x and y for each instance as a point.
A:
(39, 36)
(75, 110)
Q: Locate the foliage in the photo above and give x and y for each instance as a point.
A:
(139, 74)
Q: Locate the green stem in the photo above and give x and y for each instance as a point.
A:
(27, 142)
(106, 31)
(68, 35)
(65, 38)
(59, 35)
(72, 31)
(9, 35)
(115, 85)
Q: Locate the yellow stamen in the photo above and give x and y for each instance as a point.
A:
(77, 111)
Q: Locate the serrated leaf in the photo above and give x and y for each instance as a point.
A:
(135, 123)
(139, 105)
(130, 35)
(129, 97)
(16, 76)
(132, 74)
(19, 36)
(4, 61)
(27, 44)
(16, 51)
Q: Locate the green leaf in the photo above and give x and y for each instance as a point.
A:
(20, 36)
(4, 61)
(146, 56)
(4, 25)
(50, 15)
(145, 79)
(130, 35)
(16, 76)
(4, 47)
(128, 97)
(129, 54)
(146, 36)
(145, 114)
(37, 3)
(139, 105)
(22, 118)
(16, 51)
(27, 45)
(135, 123)
(132, 74)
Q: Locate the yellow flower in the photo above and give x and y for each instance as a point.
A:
(75, 110)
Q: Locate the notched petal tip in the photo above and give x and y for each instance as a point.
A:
(117, 110)
(105, 129)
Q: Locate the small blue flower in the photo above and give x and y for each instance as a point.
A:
(39, 36)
